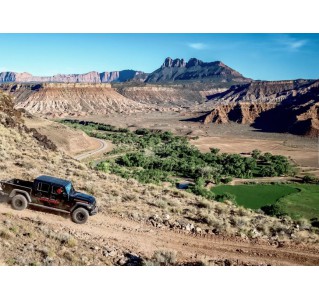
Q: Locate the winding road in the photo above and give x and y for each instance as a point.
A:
(103, 147)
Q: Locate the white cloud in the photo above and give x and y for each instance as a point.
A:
(292, 44)
(197, 46)
(297, 44)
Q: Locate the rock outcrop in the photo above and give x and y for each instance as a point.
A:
(9, 117)
(195, 69)
(282, 106)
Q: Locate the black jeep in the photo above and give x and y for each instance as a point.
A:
(49, 192)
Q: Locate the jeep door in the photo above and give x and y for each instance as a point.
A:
(59, 197)
(42, 193)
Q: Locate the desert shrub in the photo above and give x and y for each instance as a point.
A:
(256, 153)
(164, 258)
(160, 203)
(226, 180)
(204, 203)
(303, 223)
(226, 196)
(5, 234)
(273, 210)
(310, 179)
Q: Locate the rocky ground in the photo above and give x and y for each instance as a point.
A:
(38, 238)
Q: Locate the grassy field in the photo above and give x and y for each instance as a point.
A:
(296, 200)
(256, 196)
(304, 204)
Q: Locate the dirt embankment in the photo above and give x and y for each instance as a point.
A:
(71, 141)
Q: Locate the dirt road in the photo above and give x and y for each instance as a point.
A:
(103, 147)
(240, 181)
(144, 239)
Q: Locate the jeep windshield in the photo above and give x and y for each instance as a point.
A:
(70, 189)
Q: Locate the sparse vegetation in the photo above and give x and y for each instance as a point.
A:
(162, 258)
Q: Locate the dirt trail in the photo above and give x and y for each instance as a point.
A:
(239, 181)
(144, 240)
(103, 147)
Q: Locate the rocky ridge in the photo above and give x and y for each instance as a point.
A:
(170, 71)
(90, 77)
(281, 106)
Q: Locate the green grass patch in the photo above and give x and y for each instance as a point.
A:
(304, 204)
(257, 196)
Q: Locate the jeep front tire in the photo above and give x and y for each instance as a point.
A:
(19, 202)
(80, 215)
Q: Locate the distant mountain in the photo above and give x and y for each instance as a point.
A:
(91, 77)
(170, 71)
(195, 69)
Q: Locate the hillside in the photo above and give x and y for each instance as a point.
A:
(137, 223)
(194, 69)
(68, 140)
(280, 106)
(162, 95)
(65, 99)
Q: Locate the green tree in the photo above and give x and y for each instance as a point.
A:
(256, 154)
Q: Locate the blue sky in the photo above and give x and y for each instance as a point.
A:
(258, 56)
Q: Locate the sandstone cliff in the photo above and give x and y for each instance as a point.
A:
(283, 106)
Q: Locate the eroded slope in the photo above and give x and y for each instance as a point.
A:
(56, 100)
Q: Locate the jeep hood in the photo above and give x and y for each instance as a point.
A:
(84, 197)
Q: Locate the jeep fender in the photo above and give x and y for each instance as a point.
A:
(77, 205)
(20, 192)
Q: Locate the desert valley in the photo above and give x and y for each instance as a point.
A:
(191, 164)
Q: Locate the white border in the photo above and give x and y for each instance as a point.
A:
(158, 283)
(159, 16)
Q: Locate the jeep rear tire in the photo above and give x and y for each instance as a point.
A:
(80, 215)
(19, 202)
